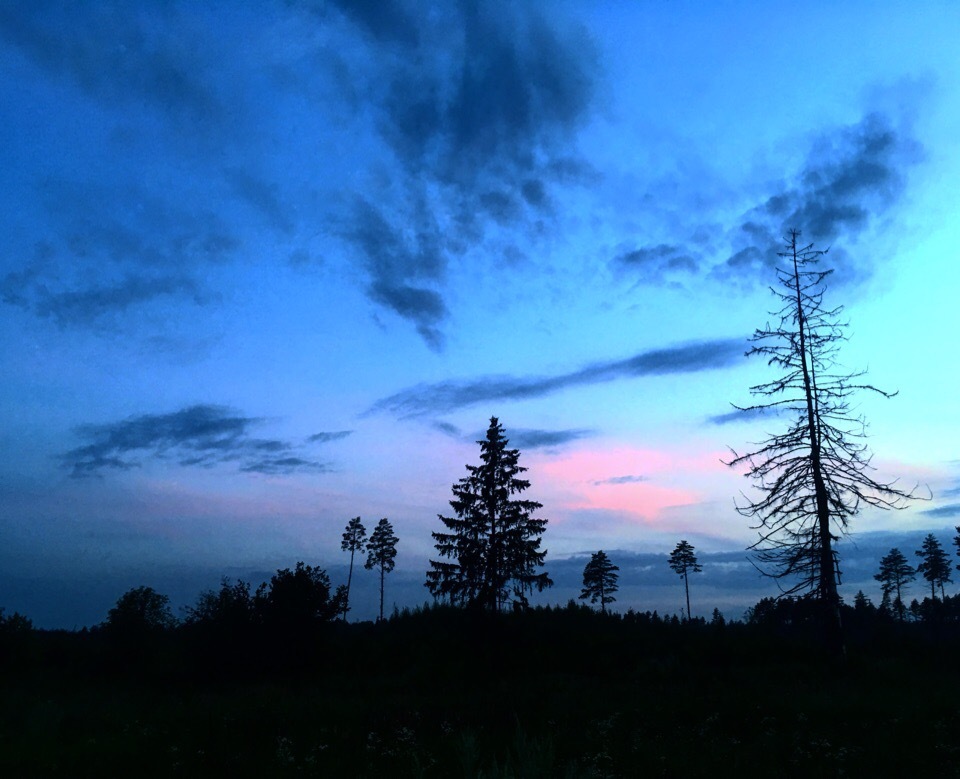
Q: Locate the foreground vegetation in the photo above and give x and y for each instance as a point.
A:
(444, 693)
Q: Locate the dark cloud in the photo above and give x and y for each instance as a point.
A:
(112, 250)
(461, 117)
(851, 178)
(398, 264)
(202, 435)
(84, 307)
(657, 263)
(447, 428)
(620, 480)
(542, 439)
(480, 104)
(386, 21)
(262, 196)
(950, 510)
(743, 415)
(443, 397)
(119, 52)
(323, 438)
(284, 465)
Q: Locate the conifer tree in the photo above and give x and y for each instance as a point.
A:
(816, 475)
(382, 552)
(956, 542)
(353, 541)
(895, 573)
(600, 580)
(491, 549)
(934, 565)
(684, 562)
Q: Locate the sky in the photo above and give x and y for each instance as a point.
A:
(269, 266)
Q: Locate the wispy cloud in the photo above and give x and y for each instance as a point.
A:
(658, 264)
(454, 121)
(202, 435)
(620, 480)
(950, 510)
(481, 102)
(544, 439)
(744, 415)
(443, 397)
(851, 178)
(323, 438)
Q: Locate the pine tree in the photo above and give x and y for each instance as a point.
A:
(492, 547)
(684, 562)
(353, 541)
(382, 551)
(895, 573)
(600, 580)
(956, 542)
(816, 475)
(934, 565)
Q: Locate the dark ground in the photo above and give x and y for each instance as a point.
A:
(444, 693)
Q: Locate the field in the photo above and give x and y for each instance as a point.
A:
(443, 693)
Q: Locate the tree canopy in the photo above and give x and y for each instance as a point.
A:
(600, 580)
(934, 564)
(683, 561)
(382, 552)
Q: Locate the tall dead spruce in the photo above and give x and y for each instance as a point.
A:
(816, 475)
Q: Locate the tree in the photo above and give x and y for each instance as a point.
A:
(934, 565)
(231, 608)
(382, 551)
(684, 562)
(492, 550)
(140, 611)
(299, 599)
(895, 574)
(353, 542)
(956, 542)
(816, 475)
(600, 580)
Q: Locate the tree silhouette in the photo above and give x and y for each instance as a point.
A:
(895, 573)
(229, 608)
(684, 562)
(816, 475)
(353, 542)
(298, 599)
(934, 565)
(492, 549)
(956, 542)
(381, 553)
(140, 613)
(600, 580)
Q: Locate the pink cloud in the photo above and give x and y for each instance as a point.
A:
(640, 483)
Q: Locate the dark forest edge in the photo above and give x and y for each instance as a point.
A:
(445, 691)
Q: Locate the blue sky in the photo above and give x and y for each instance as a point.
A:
(269, 266)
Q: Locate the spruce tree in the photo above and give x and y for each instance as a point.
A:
(600, 580)
(491, 548)
(895, 573)
(382, 551)
(353, 541)
(684, 562)
(934, 565)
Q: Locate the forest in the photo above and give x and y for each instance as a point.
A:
(445, 691)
